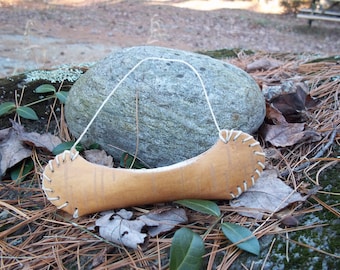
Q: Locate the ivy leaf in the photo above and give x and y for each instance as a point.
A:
(236, 233)
(45, 88)
(65, 146)
(7, 107)
(186, 250)
(62, 96)
(27, 112)
(202, 206)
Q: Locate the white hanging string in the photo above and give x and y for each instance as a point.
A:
(127, 75)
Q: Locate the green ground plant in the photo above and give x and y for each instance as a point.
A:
(26, 111)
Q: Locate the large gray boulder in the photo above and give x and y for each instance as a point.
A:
(173, 120)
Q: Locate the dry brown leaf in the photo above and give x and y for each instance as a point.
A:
(263, 64)
(268, 195)
(290, 103)
(163, 221)
(288, 134)
(294, 105)
(99, 157)
(45, 141)
(274, 115)
(120, 229)
(4, 133)
(290, 221)
(99, 258)
(13, 142)
(12, 150)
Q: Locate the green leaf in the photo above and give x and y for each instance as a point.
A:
(19, 172)
(65, 146)
(202, 206)
(62, 96)
(45, 88)
(236, 233)
(7, 107)
(186, 250)
(94, 146)
(126, 160)
(27, 112)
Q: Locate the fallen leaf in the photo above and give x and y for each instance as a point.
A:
(99, 257)
(268, 195)
(263, 64)
(294, 104)
(119, 229)
(289, 221)
(4, 133)
(272, 153)
(285, 87)
(13, 142)
(99, 157)
(290, 103)
(45, 141)
(288, 134)
(311, 102)
(274, 115)
(12, 151)
(163, 221)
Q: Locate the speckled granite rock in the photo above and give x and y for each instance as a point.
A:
(174, 121)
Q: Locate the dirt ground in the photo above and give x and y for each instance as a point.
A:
(44, 33)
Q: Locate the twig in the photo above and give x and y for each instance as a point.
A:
(137, 132)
